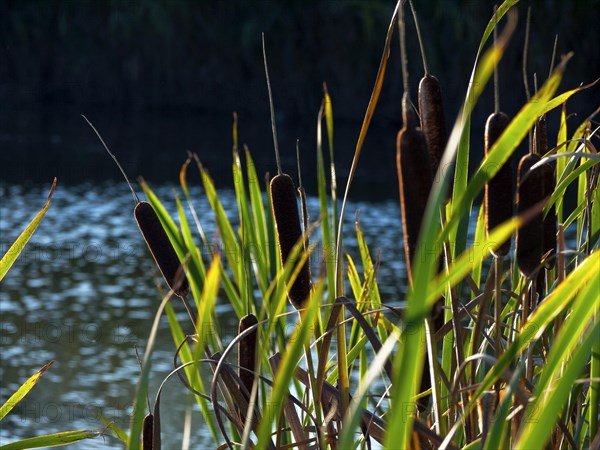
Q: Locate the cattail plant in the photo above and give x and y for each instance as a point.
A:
(161, 249)
(285, 213)
(148, 432)
(530, 195)
(498, 198)
(549, 221)
(414, 180)
(247, 351)
(414, 171)
(431, 108)
(541, 145)
(156, 237)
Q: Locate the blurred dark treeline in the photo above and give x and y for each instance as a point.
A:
(206, 55)
(159, 77)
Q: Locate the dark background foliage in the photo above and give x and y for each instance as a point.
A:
(183, 57)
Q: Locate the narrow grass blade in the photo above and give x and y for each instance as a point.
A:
(22, 391)
(327, 231)
(53, 440)
(139, 404)
(196, 269)
(247, 234)
(262, 254)
(361, 139)
(561, 164)
(329, 122)
(569, 175)
(477, 240)
(462, 129)
(352, 416)
(165, 219)
(500, 12)
(553, 305)
(119, 432)
(372, 287)
(287, 367)
(594, 394)
(230, 243)
(408, 362)
(191, 370)
(506, 144)
(569, 353)
(499, 431)
(205, 324)
(186, 192)
(15, 250)
(470, 258)
(354, 278)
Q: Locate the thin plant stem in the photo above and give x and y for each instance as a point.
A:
(271, 107)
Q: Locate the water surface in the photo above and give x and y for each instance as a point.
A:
(84, 293)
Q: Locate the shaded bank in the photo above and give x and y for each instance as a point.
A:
(206, 55)
(162, 77)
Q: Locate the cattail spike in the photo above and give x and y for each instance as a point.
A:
(498, 198)
(148, 432)
(530, 195)
(160, 246)
(549, 225)
(415, 180)
(247, 351)
(287, 225)
(431, 108)
(433, 121)
(155, 236)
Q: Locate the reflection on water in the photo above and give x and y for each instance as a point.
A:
(83, 293)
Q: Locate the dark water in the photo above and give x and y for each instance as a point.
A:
(44, 141)
(83, 293)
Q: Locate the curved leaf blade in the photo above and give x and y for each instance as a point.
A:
(15, 250)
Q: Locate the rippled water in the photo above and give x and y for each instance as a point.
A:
(83, 293)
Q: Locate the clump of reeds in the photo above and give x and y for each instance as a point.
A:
(285, 213)
(413, 167)
(247, 351)
(431, 108)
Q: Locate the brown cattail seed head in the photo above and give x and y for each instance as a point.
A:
(498, 191)
(160, 246)
(148, 432)
(530, 196)
(247, 351)
(287, 224)
(549, 222)
(540, 134)
(433, 122)
(415, 180)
